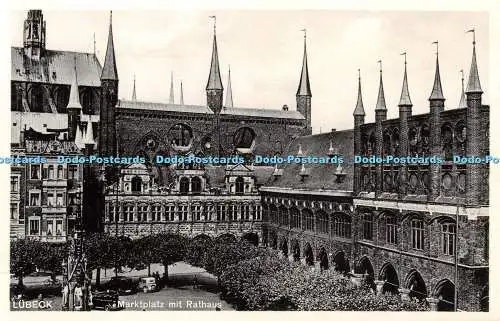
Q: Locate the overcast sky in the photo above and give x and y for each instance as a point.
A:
(264, 49)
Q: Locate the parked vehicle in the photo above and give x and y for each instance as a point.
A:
(107, 300)
(147, 284)
(121, 284)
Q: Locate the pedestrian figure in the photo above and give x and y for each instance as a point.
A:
(65, 294)
(195, 281)
(78, 294)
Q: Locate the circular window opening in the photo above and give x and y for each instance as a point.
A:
(244, 140)
(181, 137)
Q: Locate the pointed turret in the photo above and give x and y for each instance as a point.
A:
(474, 85)
(214, 78)
(463, 99)
(74, 96)
(381, 96)
(134, 95)
(79, 138)
(359, 110)
(109, 70)
(74, 108)
(171, 97)
(88, 138)
(405, 100)
(437, 90)
(181, 101)
(229, 94)
(214, 87)
(109, 99)
(303, 95)
(304, 85)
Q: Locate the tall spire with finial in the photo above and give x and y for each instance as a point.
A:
(171, 98)
(181, 101)
(437, 90)
(473, 85)
(229, 94)
(304, 88)
(381, 96)
(109, 70)
(359, 110)
(134, 94)
(405, 94)
(214, 78)
(463, 99)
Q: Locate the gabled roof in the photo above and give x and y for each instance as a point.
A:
(199, 109)
(56, 67)
(321, 176)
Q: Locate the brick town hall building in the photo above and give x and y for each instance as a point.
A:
(417, 230)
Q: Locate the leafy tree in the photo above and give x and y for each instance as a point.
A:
(144, 252)
(197, 251)
(171, 248)
(22, 253)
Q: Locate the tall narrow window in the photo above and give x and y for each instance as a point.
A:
(240, 186)
(136, 184)
(35, 172)
(391, 230)
(367, 226)
(51, 172)
(14, 183)
(308, 220)
(184, 185)
(14, 208)
(417, 234)
(59, 227)
(322, 222)
(448, 231)
(60, 172)
(195, 185)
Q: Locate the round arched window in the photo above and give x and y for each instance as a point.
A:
(181, 136)
(244, 138)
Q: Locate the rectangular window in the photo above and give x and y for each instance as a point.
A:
(183, 213)
(391, 231)
(417, 234)
(14, 209)
(448, 238)
(35, 172)
(367, 227)
(156, 213)
(14, 183)
(59, 227)
(322, 223)
(34, 226)
(50, 199)
(341, 226)
(72, 171)
(196, 212)
(59, 199)
(34, 199)
(50, 228)
(221, 212)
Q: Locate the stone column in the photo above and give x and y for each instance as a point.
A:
(405, 294)
(380, 286)
(433, 303)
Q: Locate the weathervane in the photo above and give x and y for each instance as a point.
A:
(473, 35)
(404, 54)
(215, 22)
(359, 73)
(437, 46)
(305, 32)
(380, 64)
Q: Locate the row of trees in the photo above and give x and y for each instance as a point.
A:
(102, 251)
(249, 277)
